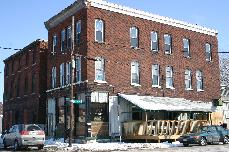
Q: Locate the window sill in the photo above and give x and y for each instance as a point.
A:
(172, 88)
(135, 48)
(189, 89)
(135, 84)
(200, 90)
(100, 42)
(99, 81)
(156, 86)
(155, 51)
(187, 57)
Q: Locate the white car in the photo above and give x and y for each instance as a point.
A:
(21, 135)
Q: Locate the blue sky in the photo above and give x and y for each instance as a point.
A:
(22, 21)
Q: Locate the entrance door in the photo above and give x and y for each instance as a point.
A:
(51, 117)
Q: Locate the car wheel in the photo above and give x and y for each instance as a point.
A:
(186, 144)
(4, 144)
(16, 145)
(226, 140)
(203, 141)
(40, 147)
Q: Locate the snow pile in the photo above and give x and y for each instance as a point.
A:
(60, 145)
(1, 141)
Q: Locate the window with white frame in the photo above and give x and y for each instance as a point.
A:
(69, 37)
(155, 75)
(53, 77)
(54, 44)
(62, 75)
(167, 43)
(68, 72)
(154, 41)
(186, 47)
(188, 79)
(63, 40)
(208, 52)
(135, 73)
(99, 30)
(78, 31)
(134, 37)
(78, 69)
(99, 69)
(199, 79)
(169, 77)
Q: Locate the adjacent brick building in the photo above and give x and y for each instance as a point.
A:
(25, 85)
(120, 50)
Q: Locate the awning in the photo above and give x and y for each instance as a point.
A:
(168, 104)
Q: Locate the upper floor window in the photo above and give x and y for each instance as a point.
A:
(27, 58)
(68, 73)
(26, 85)
(188, 79)
(155, 75)
(63, 40)
(53, 77)
(169, 77)
(19, 63)
(208, 52)
(78, 31)
(186, 47)
(99, 30)
(12, 66)
(78, 69)
(99, 69)
(33, 83)
(54, 44)
(135, 73)
(134, 37)
(6, 69)
(168, 43)
(199, 79)
(34, 57)
(69, 37)
(62, 74)
(154, 41)
(18, 86)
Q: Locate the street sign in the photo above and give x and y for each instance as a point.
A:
(77, 101)
(67, 99)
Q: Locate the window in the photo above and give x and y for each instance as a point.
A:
(155, 75)
(199, 79)
(99, 30)
(62, 74)
(27, 58)
(154, 41)
(186, 47)
(54, 44)
(19, 63)
(6, 69)
(188, 79)
(78, 31)
(34, 57)
(99, 69)
(134, 37)
(33, 83)
(69, 37)
(135, 73)
(53, 77)
(62, 40)
(78, 69)
(167, 41)
(169, 77)
(26, 85)
(68, 73)
(208, 52)
(18, 86)
(12, 66)
(11, 88)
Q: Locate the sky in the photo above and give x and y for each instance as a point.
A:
(22, 21)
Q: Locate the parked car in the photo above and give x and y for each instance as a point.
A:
(24, 135)
(206, 135)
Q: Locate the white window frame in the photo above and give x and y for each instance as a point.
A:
(78, 69)
(102, 30)
(169, 77)
(69, 37)
(156, 72)
(135, 70)
(53, 77)
(186, 41)
(54, 44)
(199, 80)
(78, 31)
(100, 68)
(62, 80)
(68, 72)
(152, 34)
(188, 79)
(170, 44)
(208, 51)
(134, 37)
(63, 33)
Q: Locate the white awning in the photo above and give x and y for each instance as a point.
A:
(168, 104)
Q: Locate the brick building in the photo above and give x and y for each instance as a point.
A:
(25, 85)
(123, 55)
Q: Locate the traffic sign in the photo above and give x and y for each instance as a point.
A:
(67, 99)
(77, 101)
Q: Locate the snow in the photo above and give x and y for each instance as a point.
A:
(95, 146)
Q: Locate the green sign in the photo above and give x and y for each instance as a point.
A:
(67, 99)
(77, 101)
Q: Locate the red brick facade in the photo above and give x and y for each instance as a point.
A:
(25, 85)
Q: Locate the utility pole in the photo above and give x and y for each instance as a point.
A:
(72, 80)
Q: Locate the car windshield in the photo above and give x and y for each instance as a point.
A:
(32, 128)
